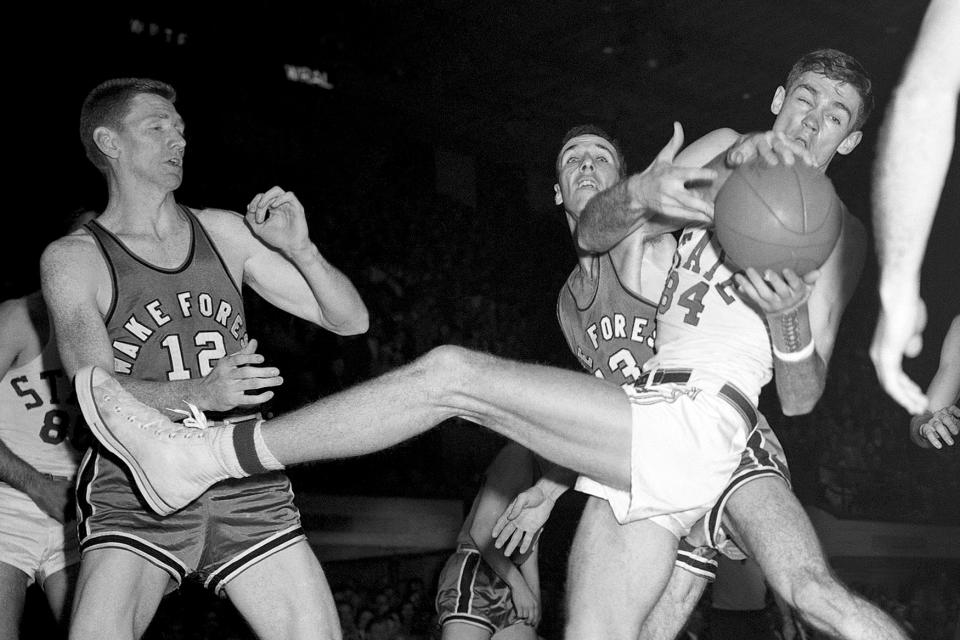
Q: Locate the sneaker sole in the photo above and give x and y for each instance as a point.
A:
(91, 412)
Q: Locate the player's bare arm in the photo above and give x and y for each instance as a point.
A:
(803, 316)
(723, 150)
(75, 282)
(944, 389)
(662, 188)
(519, 527)
(510, 472)
(76, 279)
(50, 493)
(913, 156)
(17, 333)
(941, 423)
(21, 343)
(277, 258)
(530, 569)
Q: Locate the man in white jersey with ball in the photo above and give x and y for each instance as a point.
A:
(593, 577)
(819, 110)
(607, 311)
(666, 448)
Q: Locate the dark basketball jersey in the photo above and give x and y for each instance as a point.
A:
(610, 329)
(171, 324)
(175, 324)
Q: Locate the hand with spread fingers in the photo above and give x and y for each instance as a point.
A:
(521, 523)
(665, 187)
(226, 386)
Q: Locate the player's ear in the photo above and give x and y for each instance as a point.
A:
(777, 103)
(850, 143)
(557, 196)
(106, 141)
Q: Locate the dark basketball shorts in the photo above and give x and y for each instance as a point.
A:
(232, 526)
(469, 591)
(762, 457)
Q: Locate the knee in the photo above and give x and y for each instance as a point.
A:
(444, 357)
(309, 621)
(448, 366)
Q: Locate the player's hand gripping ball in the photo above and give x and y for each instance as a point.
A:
(778, 216)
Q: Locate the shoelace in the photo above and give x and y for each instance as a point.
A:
(195, 417)
(195, 420)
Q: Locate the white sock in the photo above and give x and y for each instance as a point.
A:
(267, 459)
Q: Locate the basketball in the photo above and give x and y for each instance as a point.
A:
(777, 217)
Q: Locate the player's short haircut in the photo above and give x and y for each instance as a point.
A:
(840, 67)
(593, 130)
(108, 104)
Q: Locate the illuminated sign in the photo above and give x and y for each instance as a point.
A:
(306, 75)
(154, 30)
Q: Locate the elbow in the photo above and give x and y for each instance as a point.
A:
(361, 323)
(348, 321)
(797, 408)
(357, 325)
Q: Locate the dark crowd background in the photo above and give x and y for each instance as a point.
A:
(420, 137)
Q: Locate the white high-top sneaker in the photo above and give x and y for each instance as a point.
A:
(171, 463)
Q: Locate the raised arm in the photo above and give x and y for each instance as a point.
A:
(283, 264)
(663, 188)
(912, 160)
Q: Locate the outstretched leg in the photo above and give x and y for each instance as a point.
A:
(570, 418)
(769, 520)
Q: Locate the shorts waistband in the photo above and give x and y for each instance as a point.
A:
(728, 392)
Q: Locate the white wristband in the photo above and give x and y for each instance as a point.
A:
(795, 356)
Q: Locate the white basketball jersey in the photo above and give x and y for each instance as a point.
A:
(702, 324)
(39, 417)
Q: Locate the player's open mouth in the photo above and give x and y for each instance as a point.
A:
(177, 162)
(583, 184)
